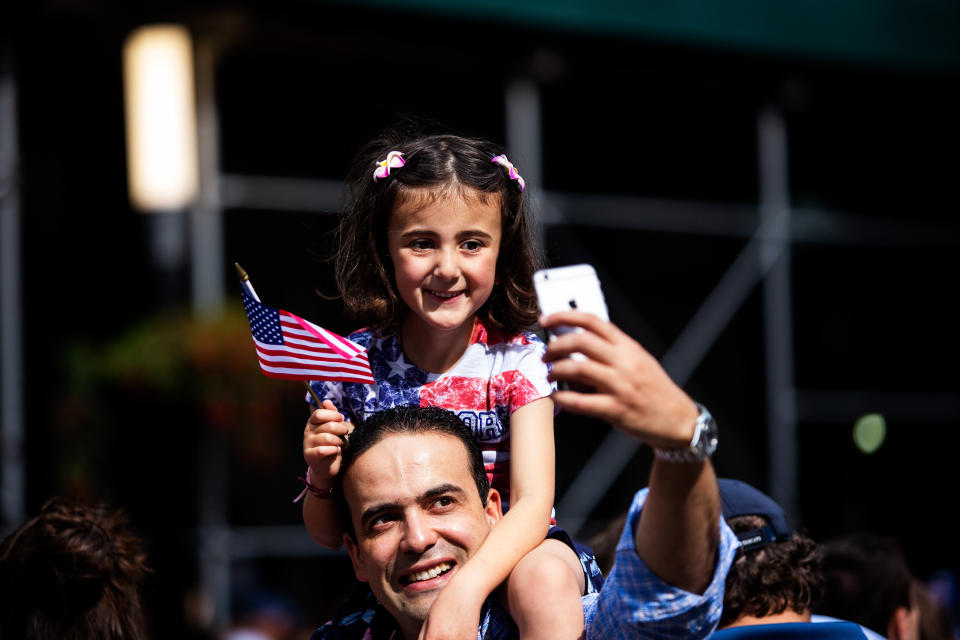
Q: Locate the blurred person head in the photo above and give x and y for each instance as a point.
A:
(935, 620)
(604, 542)
(776, 575)
(869, 582)
(72, 572)
(433, 170)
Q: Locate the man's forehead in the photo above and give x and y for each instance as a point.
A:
(403, 466)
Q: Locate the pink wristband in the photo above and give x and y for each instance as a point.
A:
(323, 494)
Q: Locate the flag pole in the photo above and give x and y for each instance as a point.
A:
(245, 282)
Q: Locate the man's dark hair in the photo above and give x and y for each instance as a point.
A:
(403, 420)
(769, 580)
(867, 579)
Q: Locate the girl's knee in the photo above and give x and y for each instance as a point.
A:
(550, 568)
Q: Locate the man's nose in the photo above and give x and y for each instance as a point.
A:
(447, 266)
(418, 534)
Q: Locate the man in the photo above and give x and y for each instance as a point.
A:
(414, 491)
(869, 582)
(776, 579)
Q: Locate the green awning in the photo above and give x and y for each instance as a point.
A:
(889, 33)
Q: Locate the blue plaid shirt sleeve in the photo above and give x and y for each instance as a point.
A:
(634, 603)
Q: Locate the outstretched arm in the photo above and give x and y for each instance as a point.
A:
(678, 533)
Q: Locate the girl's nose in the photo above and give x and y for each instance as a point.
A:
(447, 266)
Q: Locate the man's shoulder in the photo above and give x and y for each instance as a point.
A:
(495, 624)
(793, 631)
(356, 618)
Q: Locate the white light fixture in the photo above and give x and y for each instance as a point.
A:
(160, 118)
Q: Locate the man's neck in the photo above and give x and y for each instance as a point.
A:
(787, 616)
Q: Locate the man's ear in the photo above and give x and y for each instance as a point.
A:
(902, 625)
(494, 508)
(355, 557)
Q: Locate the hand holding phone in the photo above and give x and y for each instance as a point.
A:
(575, 287)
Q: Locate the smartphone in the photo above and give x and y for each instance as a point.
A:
(575, 287)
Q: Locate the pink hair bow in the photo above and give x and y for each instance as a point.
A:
(394, 161)
(511, 170)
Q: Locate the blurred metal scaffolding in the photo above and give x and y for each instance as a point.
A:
(12, 480)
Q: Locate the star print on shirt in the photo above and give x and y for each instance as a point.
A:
(335, 394)
(398, 367)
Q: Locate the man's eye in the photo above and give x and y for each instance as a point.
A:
(443, 502)
(381, 521)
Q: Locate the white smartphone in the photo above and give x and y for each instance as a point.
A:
(575, 287)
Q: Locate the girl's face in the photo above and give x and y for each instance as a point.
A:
(444, 255)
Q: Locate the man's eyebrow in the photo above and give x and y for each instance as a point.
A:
(441, 490)
(377, 509)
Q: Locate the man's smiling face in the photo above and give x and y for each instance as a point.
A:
(417, 518)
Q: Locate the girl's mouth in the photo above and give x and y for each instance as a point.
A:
(445, 295)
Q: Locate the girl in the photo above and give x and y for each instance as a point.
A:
(435, 256)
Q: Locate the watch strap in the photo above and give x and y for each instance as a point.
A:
(702, 445)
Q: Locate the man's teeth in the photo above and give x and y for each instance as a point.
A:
(433, 572)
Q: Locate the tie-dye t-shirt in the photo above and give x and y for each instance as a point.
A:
(496, 375)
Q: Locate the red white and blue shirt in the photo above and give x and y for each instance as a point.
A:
(496, 375)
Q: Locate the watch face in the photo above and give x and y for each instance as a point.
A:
(708, 437)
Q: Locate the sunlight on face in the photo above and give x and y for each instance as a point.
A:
(417, 518)
(444, 253)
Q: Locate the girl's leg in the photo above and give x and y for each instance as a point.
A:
(543, 593)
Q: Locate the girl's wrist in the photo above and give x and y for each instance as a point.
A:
(318, 479)
(316, 490)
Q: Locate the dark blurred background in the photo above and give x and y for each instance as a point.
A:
(768, 191)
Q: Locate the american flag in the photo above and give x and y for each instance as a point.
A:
(292, 348)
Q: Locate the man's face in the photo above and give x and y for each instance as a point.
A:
(417, 518)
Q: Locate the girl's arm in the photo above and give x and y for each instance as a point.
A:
(321, 451)
(456, 611)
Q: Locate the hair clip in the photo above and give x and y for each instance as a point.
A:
(394, 161)
(511, 170)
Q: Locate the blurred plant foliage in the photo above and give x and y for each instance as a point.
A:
(185, 371)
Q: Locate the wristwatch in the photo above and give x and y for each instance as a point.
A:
(703, 444)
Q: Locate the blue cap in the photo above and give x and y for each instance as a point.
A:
(737, 498)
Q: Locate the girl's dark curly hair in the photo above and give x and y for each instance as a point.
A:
(436, 166)
(770, 580)
(72, 572)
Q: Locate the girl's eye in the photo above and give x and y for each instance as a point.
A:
(420, 245)
(472, 245)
